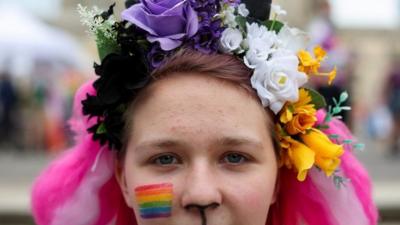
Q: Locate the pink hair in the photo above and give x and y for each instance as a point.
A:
(80, 187)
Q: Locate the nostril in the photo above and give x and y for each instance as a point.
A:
(202, 207)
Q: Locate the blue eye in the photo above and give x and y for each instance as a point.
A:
(165, 160)
(234, 158)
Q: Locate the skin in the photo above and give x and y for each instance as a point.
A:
(211, 140)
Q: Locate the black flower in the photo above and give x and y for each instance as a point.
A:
(108, 131)
(121, 76)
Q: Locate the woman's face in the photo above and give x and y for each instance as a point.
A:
(211, 141)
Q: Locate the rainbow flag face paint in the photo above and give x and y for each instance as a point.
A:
(155, 200)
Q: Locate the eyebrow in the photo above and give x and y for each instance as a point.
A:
(161, 143)
(236, 141)
(224, 141)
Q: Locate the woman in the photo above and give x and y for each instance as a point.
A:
(196, 129)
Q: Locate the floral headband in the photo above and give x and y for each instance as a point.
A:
(152, 30)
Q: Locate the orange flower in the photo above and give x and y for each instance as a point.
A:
(302, 121)
(300, 116)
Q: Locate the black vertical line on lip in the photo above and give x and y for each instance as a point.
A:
(202, 210)
(203, 217)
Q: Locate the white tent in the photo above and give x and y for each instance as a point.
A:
(24, 40)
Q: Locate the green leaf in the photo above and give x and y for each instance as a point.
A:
(273, 25)
(334, 101)
(339, 181)
(347, 141)
(328, 118)
(359, 146)
(241, 21)
(344, 96)
(105, 45)
(291, 108)
(323, 127)
(283, 133)
(121, 108)
(101, 129)
(143, 43)
(334, 136)
(316, 98)
(336, 110)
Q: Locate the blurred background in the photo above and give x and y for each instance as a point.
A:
(45, 55)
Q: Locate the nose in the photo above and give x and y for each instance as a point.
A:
(201, 188)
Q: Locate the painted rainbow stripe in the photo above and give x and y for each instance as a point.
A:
(155, 200)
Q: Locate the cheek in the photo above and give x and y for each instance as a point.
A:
(251, 197)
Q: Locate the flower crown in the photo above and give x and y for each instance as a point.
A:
(152, 30)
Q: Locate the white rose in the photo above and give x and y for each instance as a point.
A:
(230, 40)
(242, 10)
(292, 39)
(278, 80)
(253, 58)
(277, 9)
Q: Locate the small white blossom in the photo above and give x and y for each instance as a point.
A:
(228, 16)
(230, 40)
(277, 10)
(292, 39)
(278, 80)
(260, 42)
(242, 10)
(95, 23)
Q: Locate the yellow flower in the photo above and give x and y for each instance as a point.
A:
(297, 155)
(286, 113)
(326, 153)
(332, 75)
(319, 53)
(300, 116)
(310, 65)
(304, 98)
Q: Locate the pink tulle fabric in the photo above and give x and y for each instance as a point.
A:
(80, 188)
(317, 201)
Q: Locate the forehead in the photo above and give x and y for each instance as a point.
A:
(198, 104)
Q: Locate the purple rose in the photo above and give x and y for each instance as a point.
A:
(167, 21)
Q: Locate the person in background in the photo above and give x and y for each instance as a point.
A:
(8, 103)
(392, 95)
(323, 32)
